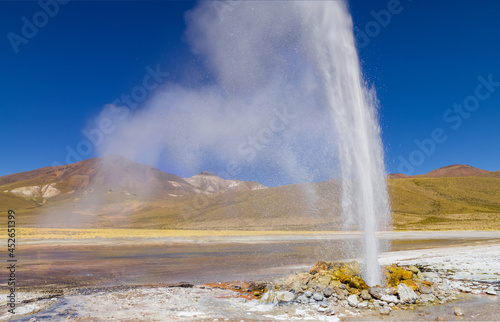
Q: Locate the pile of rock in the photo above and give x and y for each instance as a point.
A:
(330, 285)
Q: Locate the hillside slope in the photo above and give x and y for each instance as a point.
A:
(118, 193)
(461, 202)
(495, 174)
(417, 203)
(101, 192)
(455, 170)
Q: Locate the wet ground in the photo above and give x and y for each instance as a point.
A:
(112, 262)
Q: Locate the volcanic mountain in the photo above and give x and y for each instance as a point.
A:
(114, 172)
(103, 190)
(114, 192)
(107, 173)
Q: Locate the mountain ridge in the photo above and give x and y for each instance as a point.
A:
(453, 170)
(108, 174)
(106, 194)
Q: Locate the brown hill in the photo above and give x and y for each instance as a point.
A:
(118, 193)
(455, 170)
(112, 172)
(107, 192)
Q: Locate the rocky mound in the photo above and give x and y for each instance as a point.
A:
(338, 287)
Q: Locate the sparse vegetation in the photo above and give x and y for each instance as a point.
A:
(73, 233)
(446, 203)
(418, 203)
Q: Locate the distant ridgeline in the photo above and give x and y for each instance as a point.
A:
(114, 192)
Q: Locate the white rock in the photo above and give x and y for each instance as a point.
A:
(390, 299)
(445, 285)
(45, 191)
(376, 292)
(458, 311)
(464, 289)
(430, 276)
(363, 305)
(269, 297)
(330, 311)
(406, 293)
(50, 191)
(303, 299)
(353, 300)
(424, 298)
(491, 291)
(385, 310)
(324, 304)
(285, 296)
(424, 289)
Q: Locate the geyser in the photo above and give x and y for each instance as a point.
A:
(364, 190)
(328, 42)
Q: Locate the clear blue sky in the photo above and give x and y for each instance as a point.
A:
(427, 59)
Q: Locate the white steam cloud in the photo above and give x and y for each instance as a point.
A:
(263, 111)
(285, 91)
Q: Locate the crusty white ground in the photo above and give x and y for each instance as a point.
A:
(476, 263)
(165, 304)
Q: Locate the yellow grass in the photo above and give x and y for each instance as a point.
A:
(68, 233)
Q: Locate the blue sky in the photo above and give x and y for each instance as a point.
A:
(430, 56)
